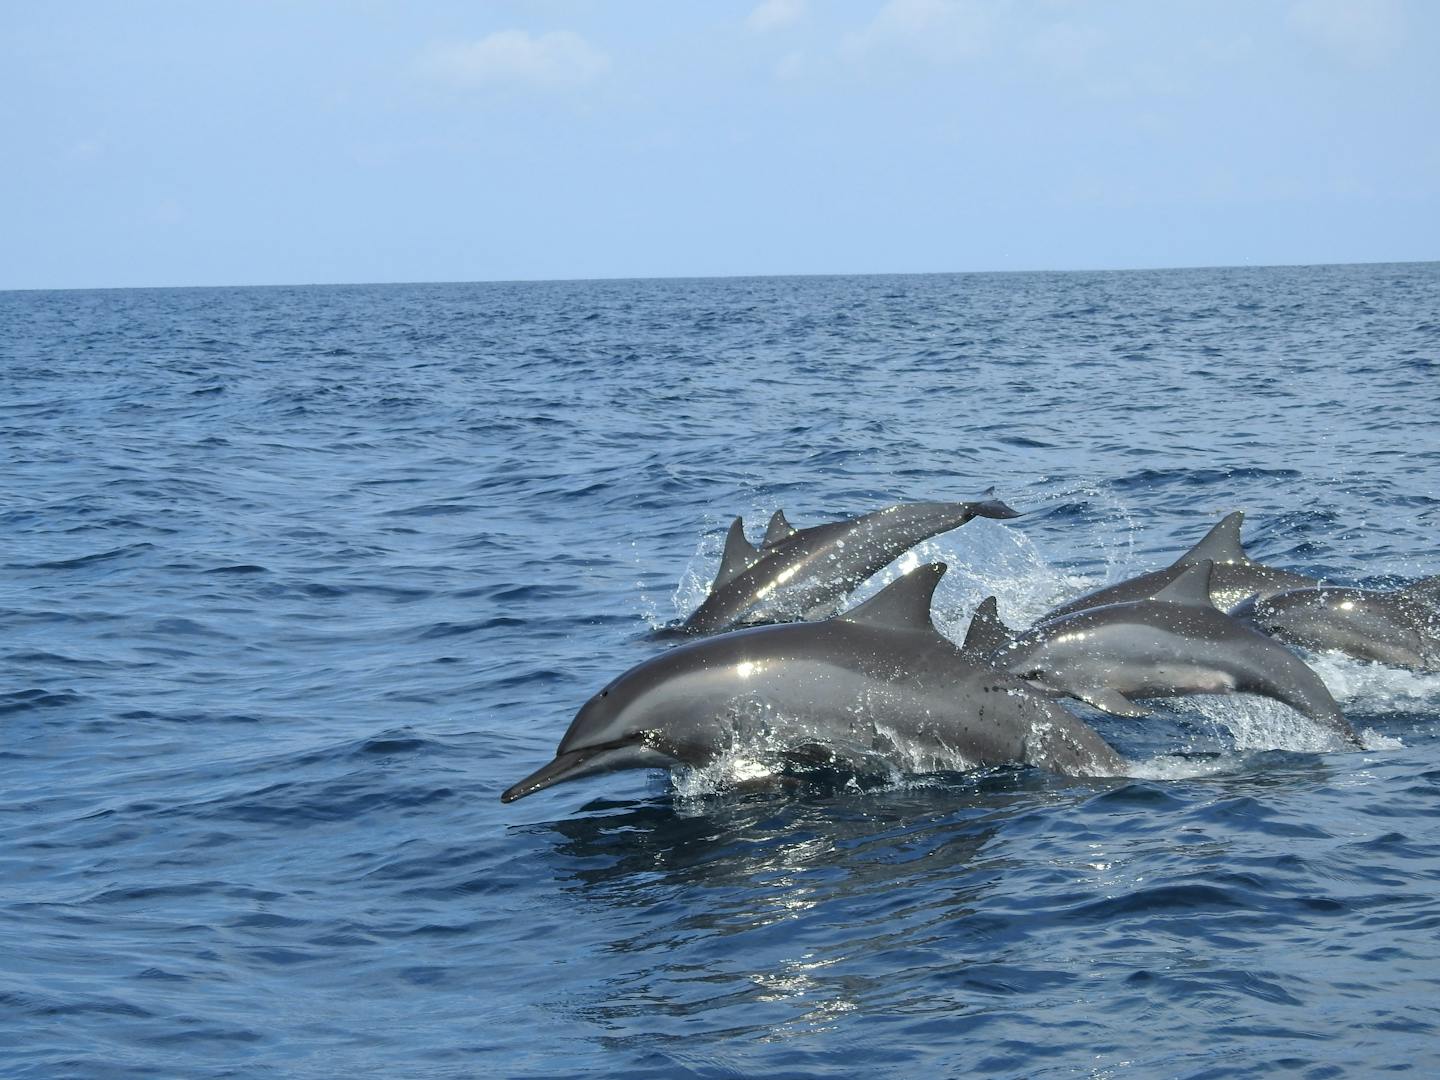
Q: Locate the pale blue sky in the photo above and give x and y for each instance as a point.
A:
(185, 143)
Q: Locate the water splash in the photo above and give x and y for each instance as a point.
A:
(1186, 766)
(1256, 723)
(1370, 687)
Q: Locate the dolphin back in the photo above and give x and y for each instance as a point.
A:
(805, 574)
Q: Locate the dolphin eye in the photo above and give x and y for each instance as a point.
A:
(605, 692)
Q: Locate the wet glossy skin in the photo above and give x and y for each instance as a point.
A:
(1154, 648)
(807, 574)
(839, 691)
(1389, 627)
(1233, 577)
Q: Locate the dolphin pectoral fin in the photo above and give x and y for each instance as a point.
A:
(1110, 701)
(574, 764)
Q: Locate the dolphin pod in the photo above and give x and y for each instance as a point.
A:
(879, 679)
(880, 682)
(1233, 577)
(805, 573)
(1176, 642)
(1400, 627)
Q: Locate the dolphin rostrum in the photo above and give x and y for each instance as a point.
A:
(1234, 577)
(1399, 627)
(1172, 644)
(878, 681)
(806, 573)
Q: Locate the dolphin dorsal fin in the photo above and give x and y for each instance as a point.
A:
(739, 555)
(1220, 545)
(1192, 586)
(1426, 589)
(904, 604)
(987, 633)
(778, 529)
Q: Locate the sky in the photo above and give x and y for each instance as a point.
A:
(246, 142)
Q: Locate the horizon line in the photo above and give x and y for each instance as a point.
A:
(708, 277)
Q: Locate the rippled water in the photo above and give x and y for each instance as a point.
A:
(297, 580)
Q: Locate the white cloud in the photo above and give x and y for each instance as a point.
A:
(556, 60)
(1360, 32)
(942, 30)
(774, 14)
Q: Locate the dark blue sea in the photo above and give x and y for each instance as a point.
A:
(297, 580)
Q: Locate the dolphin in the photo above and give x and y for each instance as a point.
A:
(1234, 575)
(1399, 627)
(806, 573)
(1175, 643)
(877, 682)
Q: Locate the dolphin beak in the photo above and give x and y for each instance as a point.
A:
(587, 762)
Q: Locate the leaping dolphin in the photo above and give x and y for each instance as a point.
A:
(1401, 627)
(1172, 644)
(1234, 576)
(879, 679)
(806, 573)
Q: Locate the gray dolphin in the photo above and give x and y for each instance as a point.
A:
(879, 680)
(806, 573)
(1172, 644)
(1234, 577)
(1400, 627)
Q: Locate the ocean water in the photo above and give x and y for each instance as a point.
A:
(298, 580)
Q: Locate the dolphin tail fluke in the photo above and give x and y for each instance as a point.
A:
(989, 506)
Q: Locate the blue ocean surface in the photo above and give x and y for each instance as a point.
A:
(297, 580)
